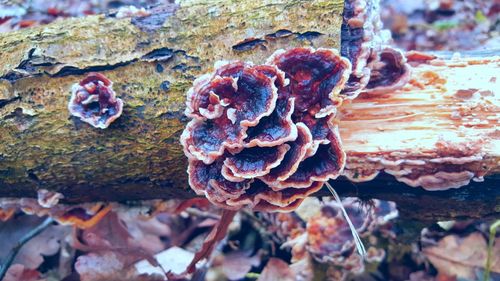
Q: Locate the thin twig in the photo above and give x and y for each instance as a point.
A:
(357, 240)
(199, 213)
(27, 237)
(493, 232)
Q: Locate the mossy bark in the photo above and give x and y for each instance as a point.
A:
(152, 66)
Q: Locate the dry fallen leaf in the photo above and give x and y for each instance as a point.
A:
(218, 232)
(276, 270)
(238, 263)
(461, 257)
(173, 260)
(116, 242)
(103, 266)
(45, 244)
(19, 272)
(33, 252)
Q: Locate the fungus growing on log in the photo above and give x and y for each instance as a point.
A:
(361, 36)
(326, 163)
(390, 72)
(223, 105)
(316, 78)
(94, 101)
(263, 136)
(434, 155)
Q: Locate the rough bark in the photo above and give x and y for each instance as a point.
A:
(139, 155)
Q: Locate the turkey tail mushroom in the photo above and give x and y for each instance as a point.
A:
(263, 136)
(94, 101)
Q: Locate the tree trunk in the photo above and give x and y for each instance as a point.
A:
(153, 62)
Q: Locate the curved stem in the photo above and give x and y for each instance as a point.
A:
(359, 244)
(493, 232)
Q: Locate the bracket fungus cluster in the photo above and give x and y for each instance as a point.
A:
(265, 136)
(389, 72)
(376, 67)
(361, 36)
(94, 101)
(262, 135)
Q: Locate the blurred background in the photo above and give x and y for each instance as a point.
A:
(450, 25)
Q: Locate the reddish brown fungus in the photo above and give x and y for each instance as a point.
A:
(242, 92)
(319, 127)
(94, 101)
(207, 180)
(256, 161)
(292, 159)
(361, 34)
(206, 140)
(389, 72)
(316, 78)
(259, 131)
(326, 163)
(275, 129)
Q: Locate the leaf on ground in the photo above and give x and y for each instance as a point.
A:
(276, 270)
(19, 272)
(199, 202)
(420, 276)
(32, 253)
(103, 266)
(461, 257)
(237, 264)
(217, 233)
(108, 233)
(145, 232)
(115, 243)
(303, 269)
(47, 243)
(109, 266)
(173, 259)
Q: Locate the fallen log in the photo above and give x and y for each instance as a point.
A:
(43, 147)
(436, 119)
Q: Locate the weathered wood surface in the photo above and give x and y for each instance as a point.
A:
(439, 131)
(139, 156)
(442, 126)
